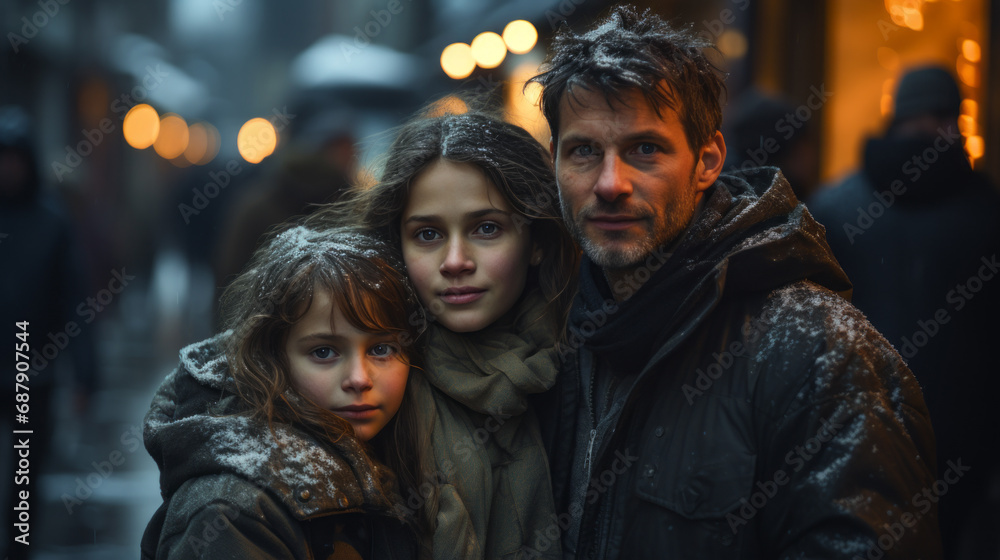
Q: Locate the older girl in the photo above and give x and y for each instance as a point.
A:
(473, 203)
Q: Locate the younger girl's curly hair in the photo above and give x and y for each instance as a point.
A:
(366, 282)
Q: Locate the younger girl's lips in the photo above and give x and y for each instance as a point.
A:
(355, 412)
(462, 296)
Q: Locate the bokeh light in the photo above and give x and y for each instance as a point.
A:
(975, 147)
(488, 49)
(732, 44)
(173, 137)
(448, 105)
(971, 50)
(520, 36)
(203, 144)
(141, 126)
(256, 140)
(457, 61)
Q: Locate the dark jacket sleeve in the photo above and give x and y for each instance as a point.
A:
(848, 449)
(222, 517)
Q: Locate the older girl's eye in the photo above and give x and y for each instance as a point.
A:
(324, 353)
(427, 235)
(488, 229)
(383, 350)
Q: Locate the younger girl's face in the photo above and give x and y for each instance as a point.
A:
(357, 375)
(466, 250)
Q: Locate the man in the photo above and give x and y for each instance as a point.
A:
(723, 400)
(918, 232)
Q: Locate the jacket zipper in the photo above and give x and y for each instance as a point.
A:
(593, 419)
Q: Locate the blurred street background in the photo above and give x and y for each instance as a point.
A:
(168, 135)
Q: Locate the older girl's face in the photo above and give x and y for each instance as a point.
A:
(466, 250)
(358, 375)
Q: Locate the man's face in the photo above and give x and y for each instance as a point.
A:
(628, 181)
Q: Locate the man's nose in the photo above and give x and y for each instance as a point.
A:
(612, 183)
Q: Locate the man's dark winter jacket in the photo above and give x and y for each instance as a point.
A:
(745, 408)
(231, 491)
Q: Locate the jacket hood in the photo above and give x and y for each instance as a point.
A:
(750, 235)
(195, 427)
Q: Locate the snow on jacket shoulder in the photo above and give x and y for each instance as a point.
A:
(231, 491)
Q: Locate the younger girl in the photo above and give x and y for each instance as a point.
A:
(473, 202)
(273, 438)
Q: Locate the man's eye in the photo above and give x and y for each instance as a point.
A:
(383, 350)
(427, 235)
(585, 150)
(647, 148)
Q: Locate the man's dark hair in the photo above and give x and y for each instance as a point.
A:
(631, 50)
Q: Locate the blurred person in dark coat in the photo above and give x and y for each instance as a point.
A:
(319, 169)
(918, 233)
(761, 129)
(42, 285)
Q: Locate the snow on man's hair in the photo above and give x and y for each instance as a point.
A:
(630, 50)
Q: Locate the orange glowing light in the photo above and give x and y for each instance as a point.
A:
(970, 107)
(971, 50)
(173, 137)
(448, 105)
(457, 61)
(520, 36)
(203, 144)
(488, 49)
(256, 140)
(141, 126)
(975, 147)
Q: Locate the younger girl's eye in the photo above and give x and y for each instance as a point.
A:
(427, 235)
(383, 350)
(324, 353)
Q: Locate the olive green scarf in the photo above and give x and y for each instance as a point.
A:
(495, 491)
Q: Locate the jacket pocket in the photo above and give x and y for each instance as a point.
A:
(691, 512)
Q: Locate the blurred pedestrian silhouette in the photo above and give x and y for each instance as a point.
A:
(319, 169)
(761, 129)
(43, 284)
(918, 233)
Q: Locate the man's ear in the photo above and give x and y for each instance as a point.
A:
(711, 158)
